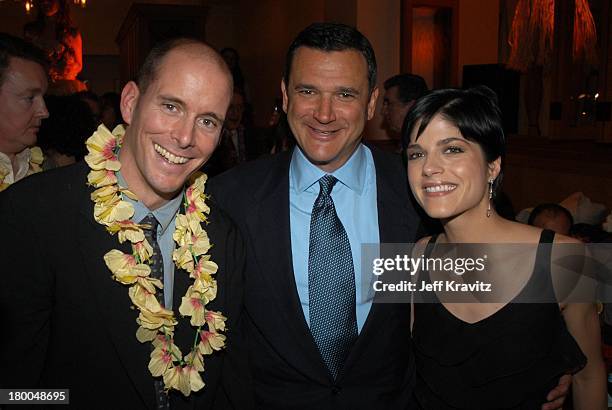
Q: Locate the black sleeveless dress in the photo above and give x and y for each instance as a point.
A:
(510, 360)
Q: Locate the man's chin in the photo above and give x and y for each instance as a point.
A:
(168, 192)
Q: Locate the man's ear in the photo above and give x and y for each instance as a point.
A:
(285, 98)
(372, 103)
(494, 168)
(129, 100)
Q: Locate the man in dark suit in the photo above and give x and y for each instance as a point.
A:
(329, 93)
(66, 322)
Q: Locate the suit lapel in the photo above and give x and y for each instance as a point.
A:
(270, 215)
(397, 222)
(114, 305)
(394, 225)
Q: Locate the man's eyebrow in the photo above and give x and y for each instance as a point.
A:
(171, 99)
(348, 90)
(33, 90)
(413, 146)
(213, 115)
(180, 102)
(306, 86)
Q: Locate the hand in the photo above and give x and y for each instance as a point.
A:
(556, 397)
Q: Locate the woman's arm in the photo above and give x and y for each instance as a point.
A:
(589, 385)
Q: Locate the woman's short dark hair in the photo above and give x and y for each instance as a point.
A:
(474, 112)
(333, 37)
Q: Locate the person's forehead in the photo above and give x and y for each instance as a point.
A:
(185, 65)
(307, 59)
(438, 127)
(21, 65)
(179, 58)
(24, 73)
(392, 93)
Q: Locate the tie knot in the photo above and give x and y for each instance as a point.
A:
(327, 183)
(150, 220)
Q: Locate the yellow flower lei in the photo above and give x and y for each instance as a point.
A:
(35, 166)
(157, 323)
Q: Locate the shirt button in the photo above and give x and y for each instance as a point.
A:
(336, 389)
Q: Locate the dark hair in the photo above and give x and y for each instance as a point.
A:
(235, 69)
(111, 101)
(409, 86)
(473, 111)
(148, 70)
(333, 37)
(587, 233)
(70, 123)
(88, 95)
(15, 47)
(551, 209)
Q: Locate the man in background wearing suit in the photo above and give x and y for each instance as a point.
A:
(401, 92)
(315, 342)
(23, 83)
(66, 323)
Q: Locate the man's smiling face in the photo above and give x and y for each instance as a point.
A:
(327, 102)
(174, 126)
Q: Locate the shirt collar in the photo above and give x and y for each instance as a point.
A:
(352, 174)
(164, 214)
(23, 165)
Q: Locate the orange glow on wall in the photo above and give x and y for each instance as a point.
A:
(423, 43)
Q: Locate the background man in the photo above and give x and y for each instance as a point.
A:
(67, 324)
(23, 83)
(401, 91)
(553, 217)
(238, 142)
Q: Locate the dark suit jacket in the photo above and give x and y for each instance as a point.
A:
(67, 324)
(285, 363)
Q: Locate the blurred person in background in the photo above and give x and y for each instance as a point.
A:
(238, 143)
(93, 101)
(401, 91)
(232, 59)
(278, 132)
(110, 113)
(62, 136)
(553, 217)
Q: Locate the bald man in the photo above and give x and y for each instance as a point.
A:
(67, 323)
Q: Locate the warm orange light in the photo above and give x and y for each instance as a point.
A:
(585, 34)
(28, 6)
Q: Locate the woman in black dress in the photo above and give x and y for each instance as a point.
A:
(489, 355)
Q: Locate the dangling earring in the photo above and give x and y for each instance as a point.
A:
(490, 197)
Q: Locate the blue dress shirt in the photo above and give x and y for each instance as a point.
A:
(166, 216)
(354, 197)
